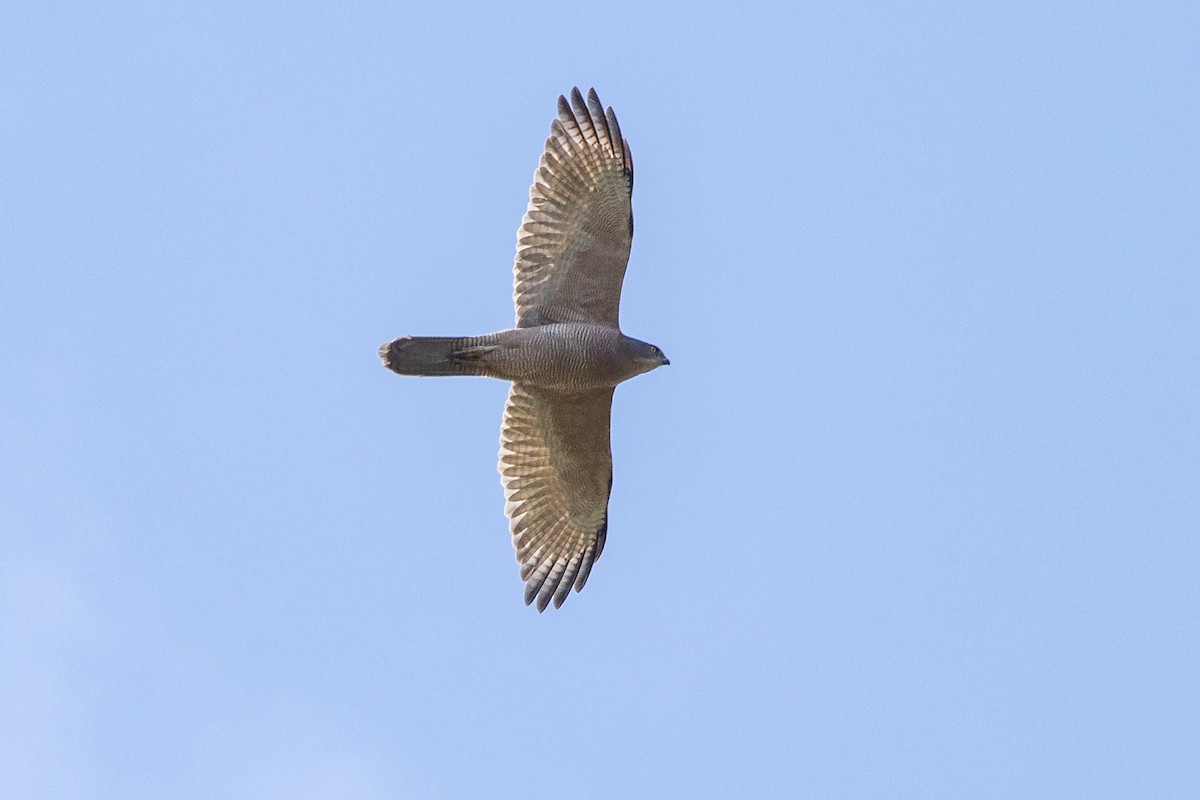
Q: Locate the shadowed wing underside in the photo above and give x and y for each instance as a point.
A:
(556, 467)
(573, 243)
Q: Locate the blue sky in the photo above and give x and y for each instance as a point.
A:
(913, 513)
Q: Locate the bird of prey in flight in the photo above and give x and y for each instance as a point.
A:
(565, 355)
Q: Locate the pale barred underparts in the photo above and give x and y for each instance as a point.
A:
(565, 355)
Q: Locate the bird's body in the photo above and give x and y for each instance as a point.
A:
(565, 355)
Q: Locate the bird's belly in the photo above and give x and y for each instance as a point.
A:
(562, 357)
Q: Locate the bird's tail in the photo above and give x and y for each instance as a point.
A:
(435, 355)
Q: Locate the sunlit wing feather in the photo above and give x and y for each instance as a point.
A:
(573, 243)
(556, 467)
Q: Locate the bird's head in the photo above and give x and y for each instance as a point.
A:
(648, 356)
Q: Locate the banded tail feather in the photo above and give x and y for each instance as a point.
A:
(433, 355)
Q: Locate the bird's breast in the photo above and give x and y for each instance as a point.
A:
(563, 356)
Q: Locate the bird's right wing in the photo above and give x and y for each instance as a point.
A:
(556, 467)
(573, 243)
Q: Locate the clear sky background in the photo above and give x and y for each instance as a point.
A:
(915, 512)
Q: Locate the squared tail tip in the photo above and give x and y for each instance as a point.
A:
(388, 350)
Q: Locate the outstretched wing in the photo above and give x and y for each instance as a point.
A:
(573, 243)
(556, 467)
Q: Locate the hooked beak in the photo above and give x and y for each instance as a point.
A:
(666, 362)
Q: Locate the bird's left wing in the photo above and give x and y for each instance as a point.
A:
(556, 467)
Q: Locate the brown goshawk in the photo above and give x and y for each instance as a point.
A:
(565, 355)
